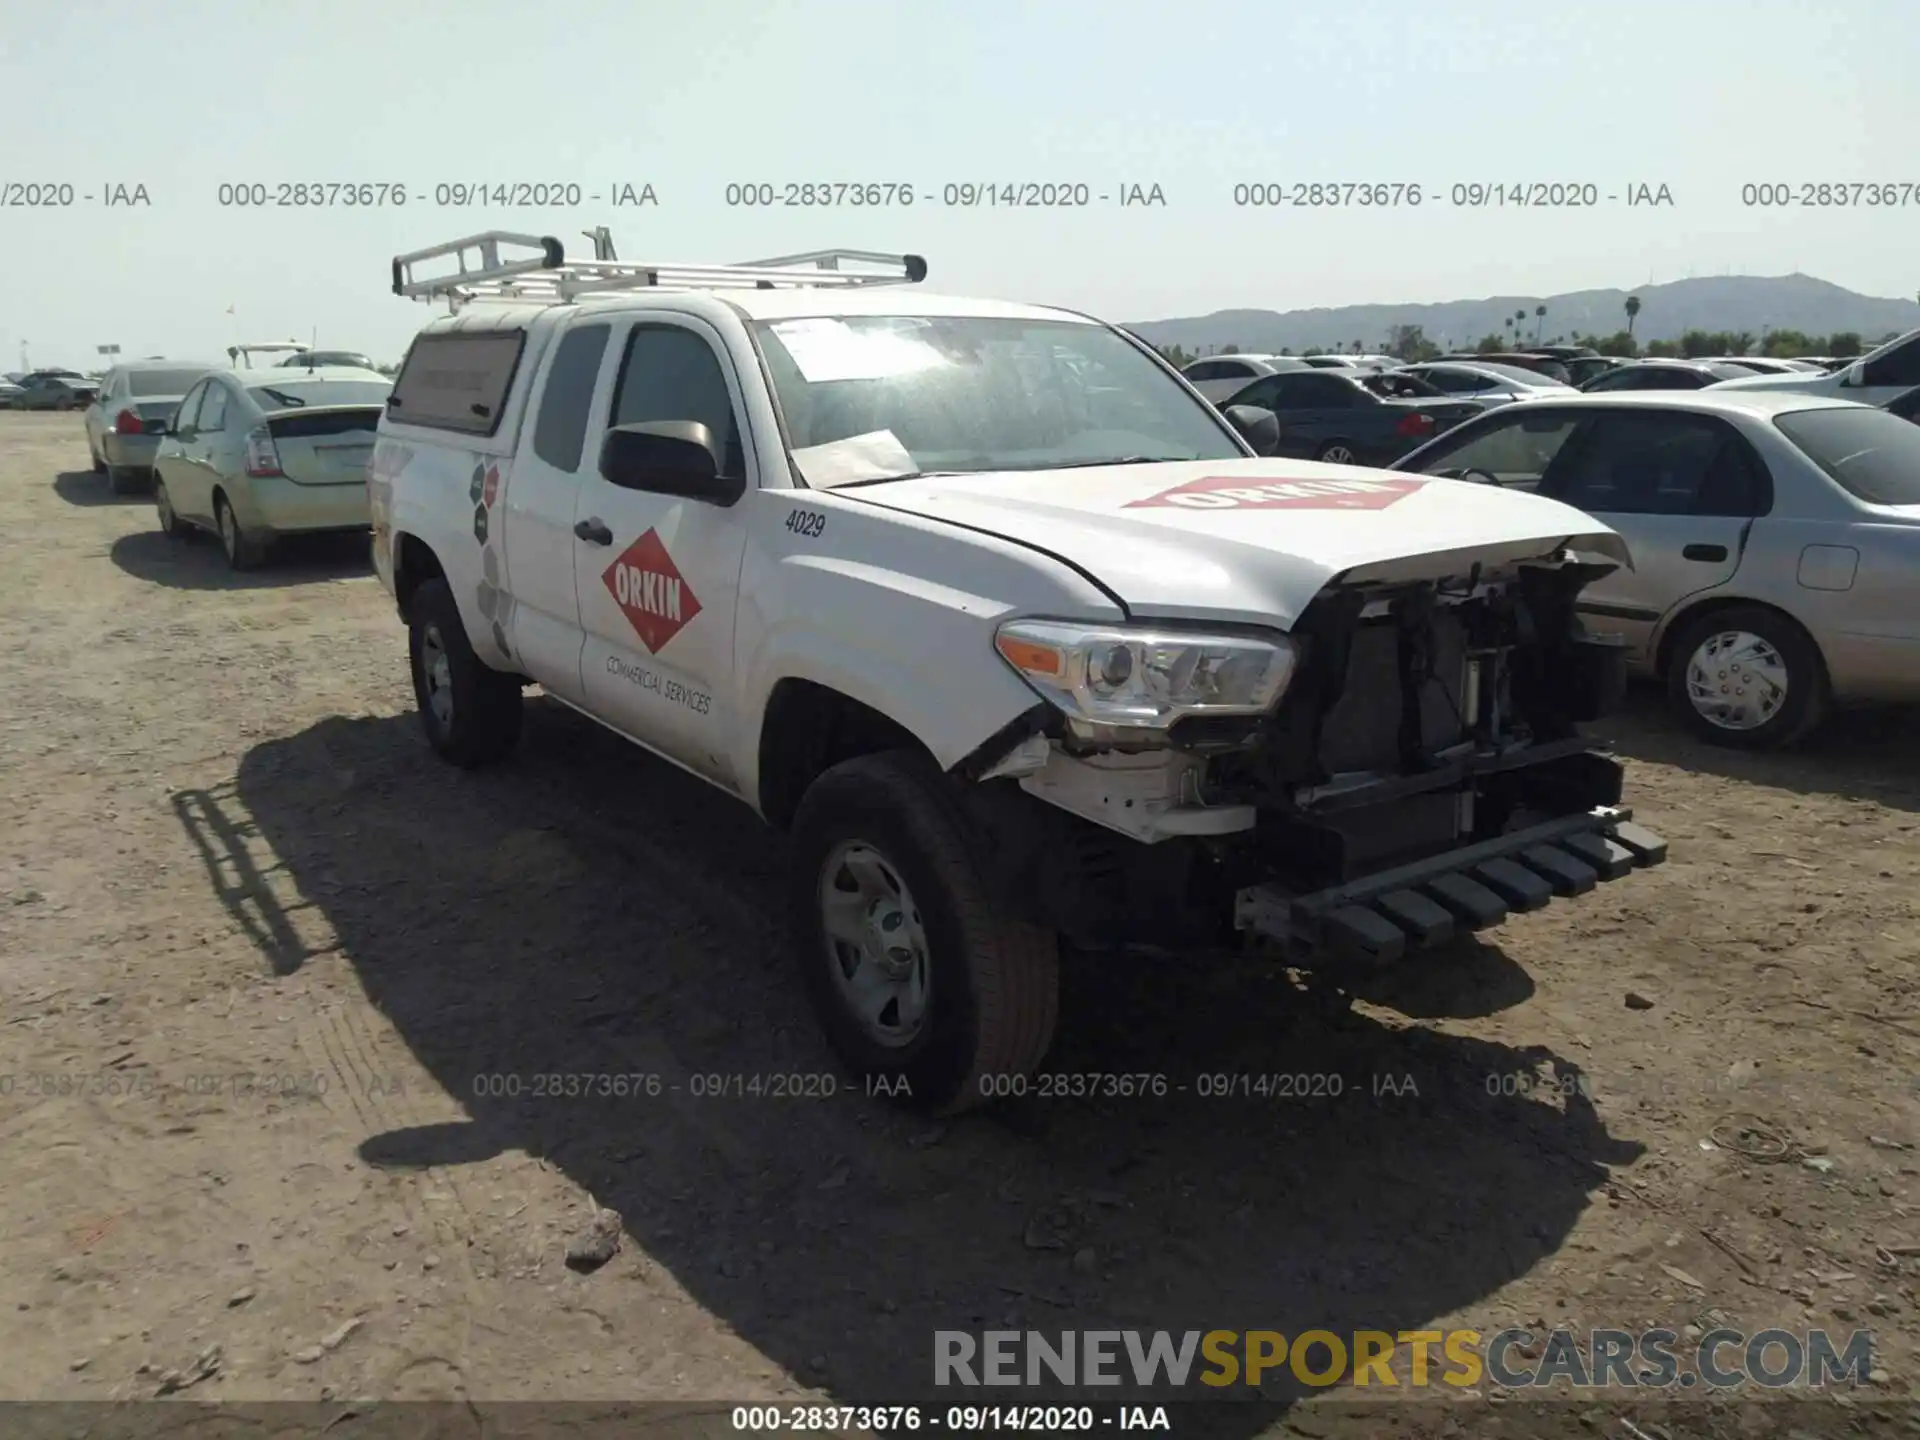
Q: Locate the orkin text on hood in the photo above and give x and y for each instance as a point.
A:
(1250, 541)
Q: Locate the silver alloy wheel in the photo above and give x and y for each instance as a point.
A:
(1736, 680)
(438, 670)
(1337, 455)
(164, 505)
(876, 942)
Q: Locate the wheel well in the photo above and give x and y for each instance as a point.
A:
(1663, 655)
(808, 729)
(414, 563)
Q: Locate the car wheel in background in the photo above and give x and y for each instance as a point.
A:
(171, 525)
(918, 979)
(242, 550)
(1747, 678)
(1336, 452)
(470, 711)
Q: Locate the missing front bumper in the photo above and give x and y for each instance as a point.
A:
(1381, 917)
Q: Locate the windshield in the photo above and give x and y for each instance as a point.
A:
(1872, 455)
(292, 394)
(164, 384)
(882, 397)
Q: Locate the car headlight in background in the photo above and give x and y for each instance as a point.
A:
(1144, 680)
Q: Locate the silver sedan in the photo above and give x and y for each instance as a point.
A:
(1775, 537)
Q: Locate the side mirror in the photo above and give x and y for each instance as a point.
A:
(1259, 428)
(668, 457)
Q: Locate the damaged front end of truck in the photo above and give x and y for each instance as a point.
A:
(1423, 773)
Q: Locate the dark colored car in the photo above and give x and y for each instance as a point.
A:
(1337, 417)
(56, 392)
(1666, 375)
(1582, 368)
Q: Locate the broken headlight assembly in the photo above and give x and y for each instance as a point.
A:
(1123, 682)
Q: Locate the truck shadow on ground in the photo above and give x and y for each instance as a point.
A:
(195, 561)
(85, 488)
(1864, 754)
(588, 910)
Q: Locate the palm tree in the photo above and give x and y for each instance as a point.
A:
(1539, 321)
(1633, 313)
(1519, 322)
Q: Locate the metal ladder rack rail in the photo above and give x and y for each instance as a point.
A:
(485, 272)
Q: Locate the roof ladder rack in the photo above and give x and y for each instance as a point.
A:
(487, 273)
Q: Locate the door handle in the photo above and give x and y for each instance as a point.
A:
(594, 532)
(1704, 552)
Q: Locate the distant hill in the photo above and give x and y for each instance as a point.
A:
(1713, 303)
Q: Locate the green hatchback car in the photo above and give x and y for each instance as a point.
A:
(253, 455)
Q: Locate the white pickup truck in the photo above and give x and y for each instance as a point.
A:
(1017, 637)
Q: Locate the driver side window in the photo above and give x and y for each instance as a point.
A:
(1516, 450)
(213, 411)
(188, 414)
(672, 374)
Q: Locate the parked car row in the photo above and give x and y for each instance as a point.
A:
(250, 455)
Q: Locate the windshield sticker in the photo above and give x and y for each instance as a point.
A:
(1241, 492)
(876, 455)
(828, 350)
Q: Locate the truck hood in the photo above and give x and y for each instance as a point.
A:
(1250, 541)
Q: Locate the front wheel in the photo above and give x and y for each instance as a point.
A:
(470, 711)
(923, 988)
(1746, 678)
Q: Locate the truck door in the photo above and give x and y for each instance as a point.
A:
(537, 527)
(658, 575)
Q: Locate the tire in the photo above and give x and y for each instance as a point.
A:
(122, 481)
(1773, 643)
(469, 711)
(99, 465)
(171, 525)
(1327, 453)
(242, 550)
(988, 987)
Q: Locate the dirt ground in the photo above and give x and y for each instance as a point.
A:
(270, 975)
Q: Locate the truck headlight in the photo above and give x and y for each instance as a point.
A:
(1146, 679)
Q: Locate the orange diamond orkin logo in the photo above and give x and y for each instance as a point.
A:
(650, 591)
(1250, 492)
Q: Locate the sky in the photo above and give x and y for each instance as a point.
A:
(1704, 97)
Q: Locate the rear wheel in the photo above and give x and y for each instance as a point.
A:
(470, 711)
(243, 551)
(923, 988)
(1747, 678)
(171, 525)
(1336, 452)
